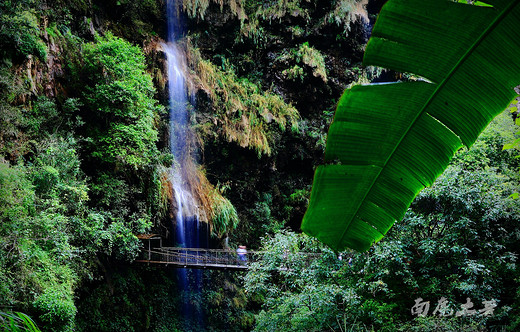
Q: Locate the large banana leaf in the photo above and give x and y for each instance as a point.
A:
(388, 141)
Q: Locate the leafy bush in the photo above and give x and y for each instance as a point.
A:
(37, 258)
(19, 36)
(121, 108)
(57, 309)
(16, 196)
(56, 174)
(301, 286)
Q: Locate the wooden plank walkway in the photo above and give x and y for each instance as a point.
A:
(199, 258)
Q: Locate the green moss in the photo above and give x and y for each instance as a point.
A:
(243, 113)
(301, 57)
(262, 14)
(281, 9)
(346, 12)
(293, 73)
(198, 8)
(314, 59)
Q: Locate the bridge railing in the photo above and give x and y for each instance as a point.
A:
(220, 258)
(198, 257)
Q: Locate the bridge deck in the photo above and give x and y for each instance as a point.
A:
(198, 258)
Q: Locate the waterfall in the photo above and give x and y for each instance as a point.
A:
(186, 206)
(187, 222)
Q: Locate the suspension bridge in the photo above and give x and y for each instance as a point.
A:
(201, 258)
(198, 258)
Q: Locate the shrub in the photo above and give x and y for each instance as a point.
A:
(121, 109)
(57, 309)
(19, 36)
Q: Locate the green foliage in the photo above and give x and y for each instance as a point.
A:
(458, 240)
(301, 285)
(275, 11)
(487, 150)
(19, 32)
(48, 236)
(214, 207)
(37, 255)
(57, 176)
(282, 8)
(121, 108)
(513, 142)
(61, 193)
(260, 15)
(347, 12)
(374, 170)
(65, 235)
(51, 232)
(17, 322)
(133, 299)
(314, 59)
(134, 20)
(226, 303)
(300, 195)
(198, 8)
(13, 140)
(225, 217)
(57, 309)
(100, 233)
(120, 116)
(430, 324)
(110, 234)
(140, 298)
(242, 112)
(262, 214)
(21, 125)
(467, 216)
(43, 117)
(304, 55)
(16, 196)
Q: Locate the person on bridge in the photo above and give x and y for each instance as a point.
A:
(242, 252)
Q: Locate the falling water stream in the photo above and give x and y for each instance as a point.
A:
(187, 222)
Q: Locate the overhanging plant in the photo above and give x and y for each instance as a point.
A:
(389, 141)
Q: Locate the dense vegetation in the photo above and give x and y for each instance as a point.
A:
(84, 167)
(388, 142)
(459, 240)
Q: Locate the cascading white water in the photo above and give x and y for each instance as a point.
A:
(187, 211)
(187, 223)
